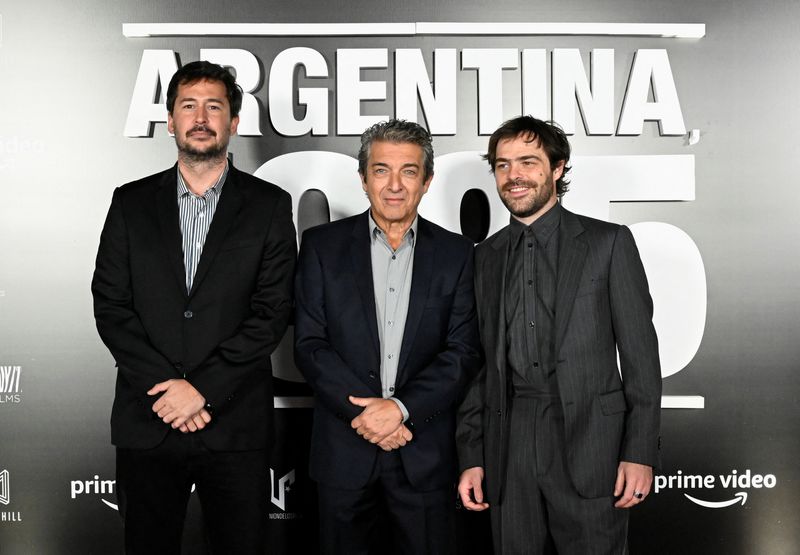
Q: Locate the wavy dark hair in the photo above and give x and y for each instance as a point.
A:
(205, 71)
(547, 134)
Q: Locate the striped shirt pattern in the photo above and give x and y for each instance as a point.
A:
(195, 214)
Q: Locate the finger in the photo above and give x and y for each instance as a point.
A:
(199, 423)
(184, 429)
(189, 425)
(620, 483)
(206, 416)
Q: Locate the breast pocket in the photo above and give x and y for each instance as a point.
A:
(595, 285)
(439, 302)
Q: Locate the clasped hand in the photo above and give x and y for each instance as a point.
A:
(180, 405)
(381, 422)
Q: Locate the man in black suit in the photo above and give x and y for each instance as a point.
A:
(386, 335)
(192, 292)
(566, 444)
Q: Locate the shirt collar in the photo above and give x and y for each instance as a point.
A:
(542, 228)
(410, 234)
(183, 189)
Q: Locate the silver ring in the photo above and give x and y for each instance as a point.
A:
(638, 495)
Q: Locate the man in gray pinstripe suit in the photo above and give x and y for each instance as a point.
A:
(549, 435)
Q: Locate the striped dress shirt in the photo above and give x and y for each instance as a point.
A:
(195, 214)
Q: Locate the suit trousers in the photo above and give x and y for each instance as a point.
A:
(387, 516)
(541, 512)
(153, 487)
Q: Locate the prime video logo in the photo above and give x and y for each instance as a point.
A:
(96, 486)
(735, 480)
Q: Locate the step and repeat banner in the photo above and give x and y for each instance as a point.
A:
(683, 125)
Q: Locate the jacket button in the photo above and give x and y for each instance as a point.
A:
(188, 314)
(499, 412)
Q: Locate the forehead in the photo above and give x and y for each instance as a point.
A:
(203, 88)
(521, 145)
(385, 152)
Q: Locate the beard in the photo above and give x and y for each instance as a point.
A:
(531, 204)
(191, 154)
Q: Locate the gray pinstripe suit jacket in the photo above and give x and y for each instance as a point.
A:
(602, 305)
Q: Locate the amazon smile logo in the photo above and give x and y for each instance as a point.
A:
(704, 486)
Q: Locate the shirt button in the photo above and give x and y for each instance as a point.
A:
(530, 282)
(389, 357)
(188, 314)
(531, 323)
(200, 215)
(391, 389)
(391, 290)
(530, 245)
(536, 365)
(393, 257)
(390, 322)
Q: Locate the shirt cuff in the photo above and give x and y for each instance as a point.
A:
(401, 406)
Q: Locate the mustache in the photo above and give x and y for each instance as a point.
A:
(202, 129)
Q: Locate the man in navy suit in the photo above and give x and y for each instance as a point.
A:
(192, 292)
(566, 445)
(386, 335)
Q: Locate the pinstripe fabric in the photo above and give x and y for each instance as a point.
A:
(195, 214)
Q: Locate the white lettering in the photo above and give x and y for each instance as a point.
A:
(651, 68)
(570, 83)
(490, 63)
(411, 79)
(281, 87)
(147, 102)
(351, 90)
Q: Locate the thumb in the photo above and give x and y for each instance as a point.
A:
(359, 401)
(159, 387)
(620, 483)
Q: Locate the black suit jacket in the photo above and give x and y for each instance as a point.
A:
(602, 304)
(337, 348)
(220, 335)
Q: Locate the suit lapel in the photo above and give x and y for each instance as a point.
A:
(230, 203)
(494, 288)
(361, 260)
(571, 259)
(424, 255)
(170, 227)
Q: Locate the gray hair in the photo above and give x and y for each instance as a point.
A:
(397, 131)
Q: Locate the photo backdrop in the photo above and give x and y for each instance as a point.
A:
(683, 125)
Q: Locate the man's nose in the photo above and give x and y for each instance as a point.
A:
(201, 115)
(395, 183)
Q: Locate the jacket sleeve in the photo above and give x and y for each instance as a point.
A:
(632, 318)
(118, 324)
(324, 369)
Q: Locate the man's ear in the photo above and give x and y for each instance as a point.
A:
(558, 171)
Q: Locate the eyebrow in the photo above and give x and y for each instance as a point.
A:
(406, 165)
(193, 99)
(520, 158)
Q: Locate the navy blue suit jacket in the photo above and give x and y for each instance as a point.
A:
(337, 348)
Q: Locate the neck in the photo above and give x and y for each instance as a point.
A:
(528, 220)
(394, 230)
(200, 175)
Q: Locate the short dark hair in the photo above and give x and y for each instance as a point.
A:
(548, 134)
(205, 71)
(397, 131)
